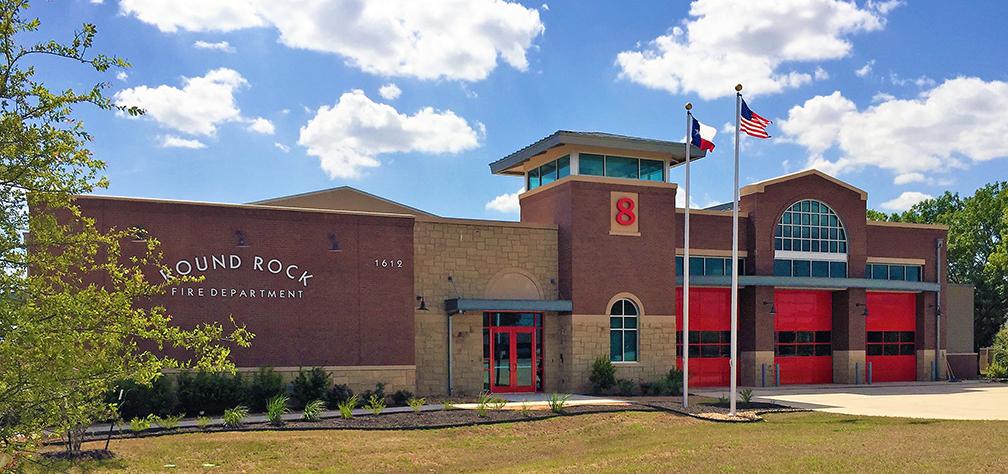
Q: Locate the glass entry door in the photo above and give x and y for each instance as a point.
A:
(513, 359)
(512, 352)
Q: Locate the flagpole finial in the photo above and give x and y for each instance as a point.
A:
(738, 87)
(689, 106)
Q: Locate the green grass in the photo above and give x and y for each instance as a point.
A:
(648, 442)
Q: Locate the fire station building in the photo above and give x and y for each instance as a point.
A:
(377, 291)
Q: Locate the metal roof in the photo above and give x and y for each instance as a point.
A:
(598, 139)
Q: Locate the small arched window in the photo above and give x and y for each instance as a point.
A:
(623, 331)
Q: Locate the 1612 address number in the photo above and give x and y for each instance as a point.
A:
(382, 263)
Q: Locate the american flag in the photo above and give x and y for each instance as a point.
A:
(753, 124)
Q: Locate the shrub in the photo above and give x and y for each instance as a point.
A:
(603, 375)
(170, 422)
(208, 392)
(998, 366)
(376, 404)
(140, 424)
(339, 393)
(347, 406)
(670, 384)
(379, 392)
(234, 417)
(313, 410)
(416, 403)
(483, 404)
(746, 394)
(202, 422)
(140, 400)
(447, 406)
(400, 397)
(276, 408)
(557, 402)
(263, 386)
(625, 387)
(309, 385)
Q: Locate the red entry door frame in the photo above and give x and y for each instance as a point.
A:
(513, 361)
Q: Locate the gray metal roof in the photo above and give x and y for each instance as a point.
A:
(599, 139)
(720, 207)
(461, 305)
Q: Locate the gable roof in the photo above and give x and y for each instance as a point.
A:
(344, 198)
(675, 150)
(760, 186)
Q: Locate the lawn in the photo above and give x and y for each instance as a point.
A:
(650, 442)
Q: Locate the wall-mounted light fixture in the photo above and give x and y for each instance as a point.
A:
(773, 311)
(140, 234)
(334, 245)
(422, 304)
(865, 312)
(240, 239)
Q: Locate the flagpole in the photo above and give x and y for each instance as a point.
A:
(733, 366)
(686, 261)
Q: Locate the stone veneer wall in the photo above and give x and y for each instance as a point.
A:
(588, 337)
(473, 252)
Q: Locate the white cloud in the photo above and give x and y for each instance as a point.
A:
(281, 147)
(545, 7)
(172, 141)
(820, 74)
(865, 70)
(905, 201)
(122, 75)
(389, 91)
(197, 108)
(348, 136)
(505, 203)
(452, 39)
(261, 125)
(97, 2)
(755, 43)
(882, 97)
(958, 121)
(219, 46)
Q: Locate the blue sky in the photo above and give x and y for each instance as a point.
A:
(252, 99)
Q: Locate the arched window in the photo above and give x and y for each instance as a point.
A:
(810, 240)
(623, 331)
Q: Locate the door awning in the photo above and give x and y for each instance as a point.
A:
(461, 305)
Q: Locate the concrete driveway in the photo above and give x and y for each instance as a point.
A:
(936, 400)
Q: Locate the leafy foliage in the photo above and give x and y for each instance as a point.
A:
(209, 392)
(139, 400)
(72, 338)
(603, 374)
(400, 397)
(309, 385)
(625, 387)
(977, 248)
(416, 404)
(262, 386)
(746, 395)
(998, 367)
(557, 402)
(337, 394)
(313, 410)
(375, 404)
(347, 406)
(276, 408)
(234, 417)
(169, 422)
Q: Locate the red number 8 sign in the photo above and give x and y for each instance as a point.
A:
(624, 211)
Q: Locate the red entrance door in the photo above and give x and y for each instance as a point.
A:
(803, 325)
(889, 342)
(512, 359)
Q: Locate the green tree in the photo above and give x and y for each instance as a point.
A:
(74, 306)
(977, 252)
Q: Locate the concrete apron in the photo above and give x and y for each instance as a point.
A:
(970, 400)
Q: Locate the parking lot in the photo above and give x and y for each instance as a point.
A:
(937, 400)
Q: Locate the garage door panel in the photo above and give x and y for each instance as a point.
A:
(890, 340)
(710, 323)
(803, 331)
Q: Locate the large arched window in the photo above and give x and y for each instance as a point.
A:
(623, 331)
(810, 240)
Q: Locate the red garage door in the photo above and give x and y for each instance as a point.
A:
(889, 346)
(710, 336)
(802, 328)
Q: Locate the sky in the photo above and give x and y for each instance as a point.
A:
(252, 99)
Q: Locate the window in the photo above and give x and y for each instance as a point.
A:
(592, 165)
(709, 266)
(810, 226)
(803, 343)
(705, 344)
(652, 170)
(881, 271)
(548, 172)
(889, 343)
(623, 331)
(814, 268)
(621, 167)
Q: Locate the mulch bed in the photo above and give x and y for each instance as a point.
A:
(391, 421)
(717, 411)
(84, 455)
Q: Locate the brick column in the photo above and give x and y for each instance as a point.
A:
(849, 336)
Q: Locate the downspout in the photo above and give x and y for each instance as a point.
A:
(450, 355)
(938, 279)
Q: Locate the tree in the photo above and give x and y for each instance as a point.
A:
(75, 315)
(977, 248)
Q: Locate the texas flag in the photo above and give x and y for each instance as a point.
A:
(703, 135)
